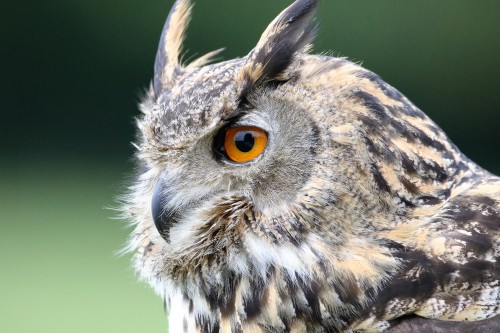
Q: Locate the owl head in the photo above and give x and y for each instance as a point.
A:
(279, 184)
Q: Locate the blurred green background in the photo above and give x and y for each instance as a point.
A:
(71, 76)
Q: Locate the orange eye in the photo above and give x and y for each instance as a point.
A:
(243, 144)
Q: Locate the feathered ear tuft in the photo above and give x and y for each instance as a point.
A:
(204, 59)
(167, 63)
(292, 31)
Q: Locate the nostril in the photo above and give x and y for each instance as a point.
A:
(161, 215)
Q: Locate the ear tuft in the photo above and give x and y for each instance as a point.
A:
(167, 63)
(204, 59)
(290, 32)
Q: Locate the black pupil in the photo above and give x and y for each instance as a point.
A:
(244, 141)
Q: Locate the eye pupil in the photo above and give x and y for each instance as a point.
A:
(244, 141)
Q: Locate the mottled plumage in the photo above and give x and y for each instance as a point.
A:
(359, 215)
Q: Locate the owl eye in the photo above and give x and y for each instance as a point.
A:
(244, 143)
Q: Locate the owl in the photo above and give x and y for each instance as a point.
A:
(291, 192)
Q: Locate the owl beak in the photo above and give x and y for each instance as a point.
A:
(163, 217)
